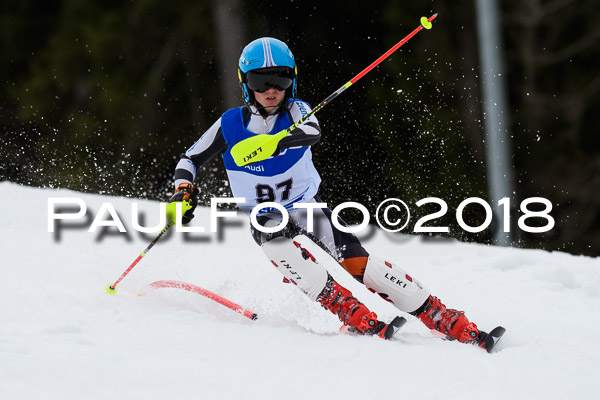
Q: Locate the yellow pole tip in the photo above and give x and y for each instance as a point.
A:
(110, 289)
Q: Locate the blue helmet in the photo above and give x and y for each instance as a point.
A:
(264, 63)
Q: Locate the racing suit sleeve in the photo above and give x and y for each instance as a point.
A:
(201, 152)
(306, 134)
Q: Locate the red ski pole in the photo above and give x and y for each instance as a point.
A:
(206, 293)
(173, 213)
(260, 147)
(112, 288)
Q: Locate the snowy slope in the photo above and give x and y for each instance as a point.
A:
(63, 337)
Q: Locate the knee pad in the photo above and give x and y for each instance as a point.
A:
(270, 221)
(394, 285)
(297, 265)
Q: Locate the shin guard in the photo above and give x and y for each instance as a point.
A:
(297, 265)
(393, 284)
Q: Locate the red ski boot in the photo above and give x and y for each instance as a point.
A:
(451, 323)
(370, 325)
(340, 301)
(355, 314)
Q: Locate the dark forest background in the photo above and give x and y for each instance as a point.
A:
(104, 97)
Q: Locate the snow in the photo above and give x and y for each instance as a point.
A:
(63, 337)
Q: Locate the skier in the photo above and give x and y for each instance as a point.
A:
(268, 78)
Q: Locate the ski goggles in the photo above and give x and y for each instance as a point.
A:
(261, 80)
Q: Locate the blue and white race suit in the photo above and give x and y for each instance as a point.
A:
(288, 178)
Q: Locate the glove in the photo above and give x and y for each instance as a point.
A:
(186, 193)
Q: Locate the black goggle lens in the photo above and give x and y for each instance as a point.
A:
(261, 81)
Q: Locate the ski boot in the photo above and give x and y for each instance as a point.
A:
(449, 322)
(456, 326)
(355, 316)
(371, 326)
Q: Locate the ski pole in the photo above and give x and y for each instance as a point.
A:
(206, 293)
(261, 147)
(112, 289)
(172, 215)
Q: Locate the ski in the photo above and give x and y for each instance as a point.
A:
(394, 327)
(387, 334)
(488, 342)
(485, 341)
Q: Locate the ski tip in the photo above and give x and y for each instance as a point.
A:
(492, 338)
(399, 321)
(394, 327)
